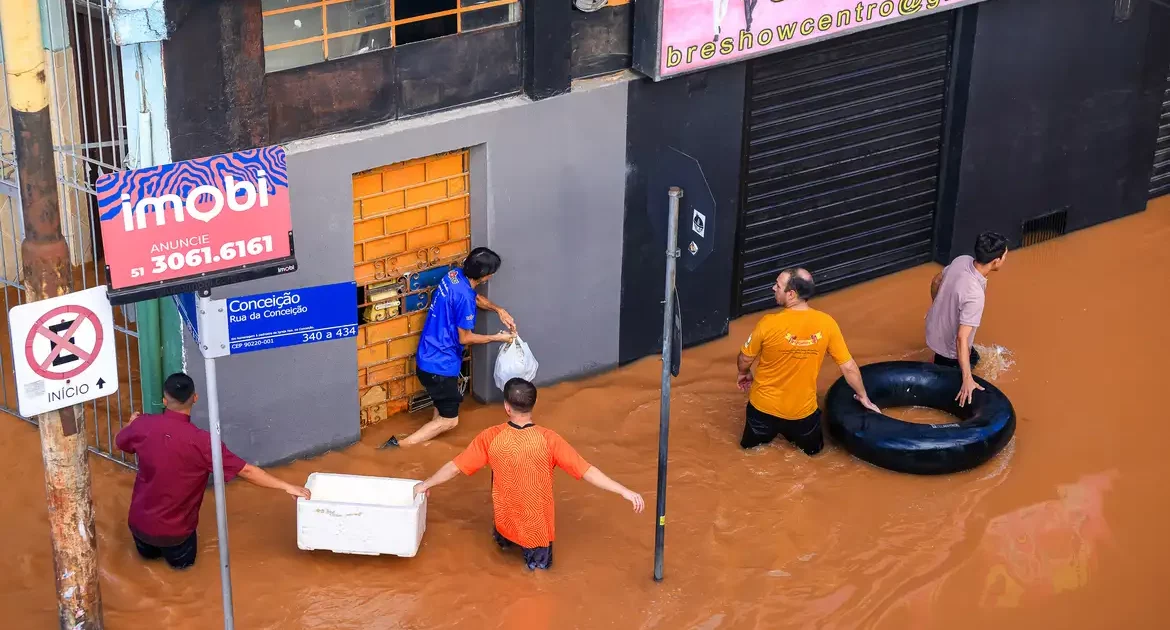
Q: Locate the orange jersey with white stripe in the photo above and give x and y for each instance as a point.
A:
(522, 460)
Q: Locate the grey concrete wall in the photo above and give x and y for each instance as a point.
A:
(547, 193)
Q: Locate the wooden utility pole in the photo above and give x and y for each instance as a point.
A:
(46, 274)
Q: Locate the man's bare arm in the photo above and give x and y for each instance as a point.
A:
(448, 472)
(260, 477)
(935, 284)
(487, 305)
(963, 343)
(852, 375)
(468, 338)
(601, 480)
(744, 363)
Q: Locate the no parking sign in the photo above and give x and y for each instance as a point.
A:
(63, 351)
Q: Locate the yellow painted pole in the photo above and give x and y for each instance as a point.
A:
(46, 274)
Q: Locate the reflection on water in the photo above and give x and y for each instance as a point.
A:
(1046, 548)
(1027, 556)
(1064, 529)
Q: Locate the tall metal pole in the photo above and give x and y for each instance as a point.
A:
(225, 571)
(672, 254)
(46, 270)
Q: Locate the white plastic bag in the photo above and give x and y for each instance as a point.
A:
(515, 361)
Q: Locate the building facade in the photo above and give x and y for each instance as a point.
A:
(418, 129)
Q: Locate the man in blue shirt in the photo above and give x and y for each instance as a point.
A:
(447, 330)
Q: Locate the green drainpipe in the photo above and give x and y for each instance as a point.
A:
(171, 337)
(160, 348)
(150, 355)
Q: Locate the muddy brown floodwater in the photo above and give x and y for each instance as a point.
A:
(1064, 529)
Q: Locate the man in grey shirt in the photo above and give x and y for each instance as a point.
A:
(957, 293)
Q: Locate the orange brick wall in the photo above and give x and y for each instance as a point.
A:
(407, 217)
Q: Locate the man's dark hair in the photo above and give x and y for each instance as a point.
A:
(481, 263)
(520, 394)
(801, 281)
(989, 246)
(179, 387)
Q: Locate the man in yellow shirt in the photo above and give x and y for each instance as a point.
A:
(788, 348)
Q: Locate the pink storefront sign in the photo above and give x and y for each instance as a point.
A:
(674, 37)
(192, 225)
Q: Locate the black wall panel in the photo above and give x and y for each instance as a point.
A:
(602, 40)
(1062, 114)
(701, 116)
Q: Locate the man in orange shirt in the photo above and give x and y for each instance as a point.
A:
(522, 457)
(788, 349)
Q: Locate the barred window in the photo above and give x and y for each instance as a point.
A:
(303, 32)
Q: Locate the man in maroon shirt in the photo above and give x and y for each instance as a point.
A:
(174, 461)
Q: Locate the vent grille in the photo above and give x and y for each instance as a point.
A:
(1044, 228)
(1160, 177)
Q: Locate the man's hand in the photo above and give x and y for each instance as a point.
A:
(505, 337)
(134, 416)
(506, 320)
(744, 382)
(636, 499)
(967, 391)
(867, 403)
(421, 488)
(935, 283)
(298, 491)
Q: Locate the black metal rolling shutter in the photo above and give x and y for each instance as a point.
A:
(842, 165)
(1160, 177)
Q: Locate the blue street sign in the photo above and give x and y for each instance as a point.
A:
(289, 318)
(185, 303)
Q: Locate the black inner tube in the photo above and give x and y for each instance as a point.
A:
(981, 430)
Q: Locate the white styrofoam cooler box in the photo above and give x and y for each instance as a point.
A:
(361, 515)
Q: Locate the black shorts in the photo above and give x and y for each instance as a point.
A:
(179, 556)
(941, 360)
(761, 428)
(444, 393)
(535, 558)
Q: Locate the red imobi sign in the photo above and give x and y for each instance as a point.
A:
(192, 225)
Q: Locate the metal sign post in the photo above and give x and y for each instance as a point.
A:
(672, 255)
(206, 306)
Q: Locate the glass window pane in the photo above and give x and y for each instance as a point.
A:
(293, 57)
(356, 44)
(272, 5)
(404, 9)
(491, 16)
(356, 14)
(426, 29)
(472, 3)
(288, 27)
